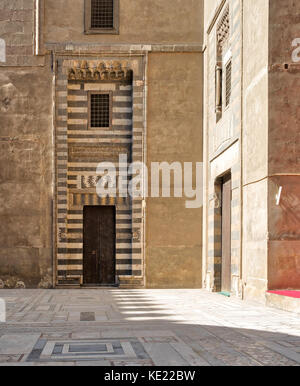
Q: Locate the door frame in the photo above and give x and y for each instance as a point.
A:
(69, 196)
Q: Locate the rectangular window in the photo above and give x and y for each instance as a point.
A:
(100, 110)
(223, 74)
(218, 83)
(228, 83)
(101, 16)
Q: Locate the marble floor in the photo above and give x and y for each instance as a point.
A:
(112, 327)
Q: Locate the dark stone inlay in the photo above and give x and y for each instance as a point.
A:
(37, 350)
(87, 316)
(70, 272)
(58, 349)
(139, 350)
(69, 262)
(88, 348)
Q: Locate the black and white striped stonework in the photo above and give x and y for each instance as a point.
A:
(76, 170)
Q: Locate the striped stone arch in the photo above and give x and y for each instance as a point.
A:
(76, 164)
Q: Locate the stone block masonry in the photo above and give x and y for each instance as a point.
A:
(17, 29)
(80, 149)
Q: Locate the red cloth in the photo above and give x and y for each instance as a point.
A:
(290, 294)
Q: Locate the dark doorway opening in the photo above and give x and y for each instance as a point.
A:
(226, 233)
(99, 243)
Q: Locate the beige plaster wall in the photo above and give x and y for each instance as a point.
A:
(255, 147)
(210, 7)
(174, 132)
(141, 21)
(284, 149)
(25, 174)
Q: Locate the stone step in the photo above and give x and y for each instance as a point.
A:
(131, 282)
(284, 300)
(131, 286)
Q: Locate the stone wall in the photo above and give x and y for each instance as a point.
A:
(267, 135)
(283, 147)
(255, 148)
(26, 174)
(174, 134)
(222, 144)
(140, 22)
(17, 29)
(34, 119)
(26, 152)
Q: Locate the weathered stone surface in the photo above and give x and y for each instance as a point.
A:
(46, 282)
(20, 285)
(174, 236)
(284, 149)
(167, 21)
(25, 175)
(262, 120)
(10, 282)
(256, 139)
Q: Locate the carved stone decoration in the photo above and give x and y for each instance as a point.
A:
(217, 201)
(20, 285)
(93, 71)
(223, 28)
(137, 236)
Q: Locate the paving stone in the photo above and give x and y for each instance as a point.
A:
(93, 363)
(111, 327)
(86, 335)
(17, 343)
(163, 354)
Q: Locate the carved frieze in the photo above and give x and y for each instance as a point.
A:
(105, 71)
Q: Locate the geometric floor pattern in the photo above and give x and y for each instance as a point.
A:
(87, 350)
(113, 327)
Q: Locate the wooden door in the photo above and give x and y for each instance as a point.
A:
(99, 238)
(226, 234)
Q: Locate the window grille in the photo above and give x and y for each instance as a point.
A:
(102, 14)
(99, 110)
(228, 83)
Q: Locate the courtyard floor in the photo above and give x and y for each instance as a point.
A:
(112, 327)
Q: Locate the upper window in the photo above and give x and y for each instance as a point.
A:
(101, 16)
(100, 110)
(223, 75)
(228, 84)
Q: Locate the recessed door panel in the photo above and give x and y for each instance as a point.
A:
(99, 238)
